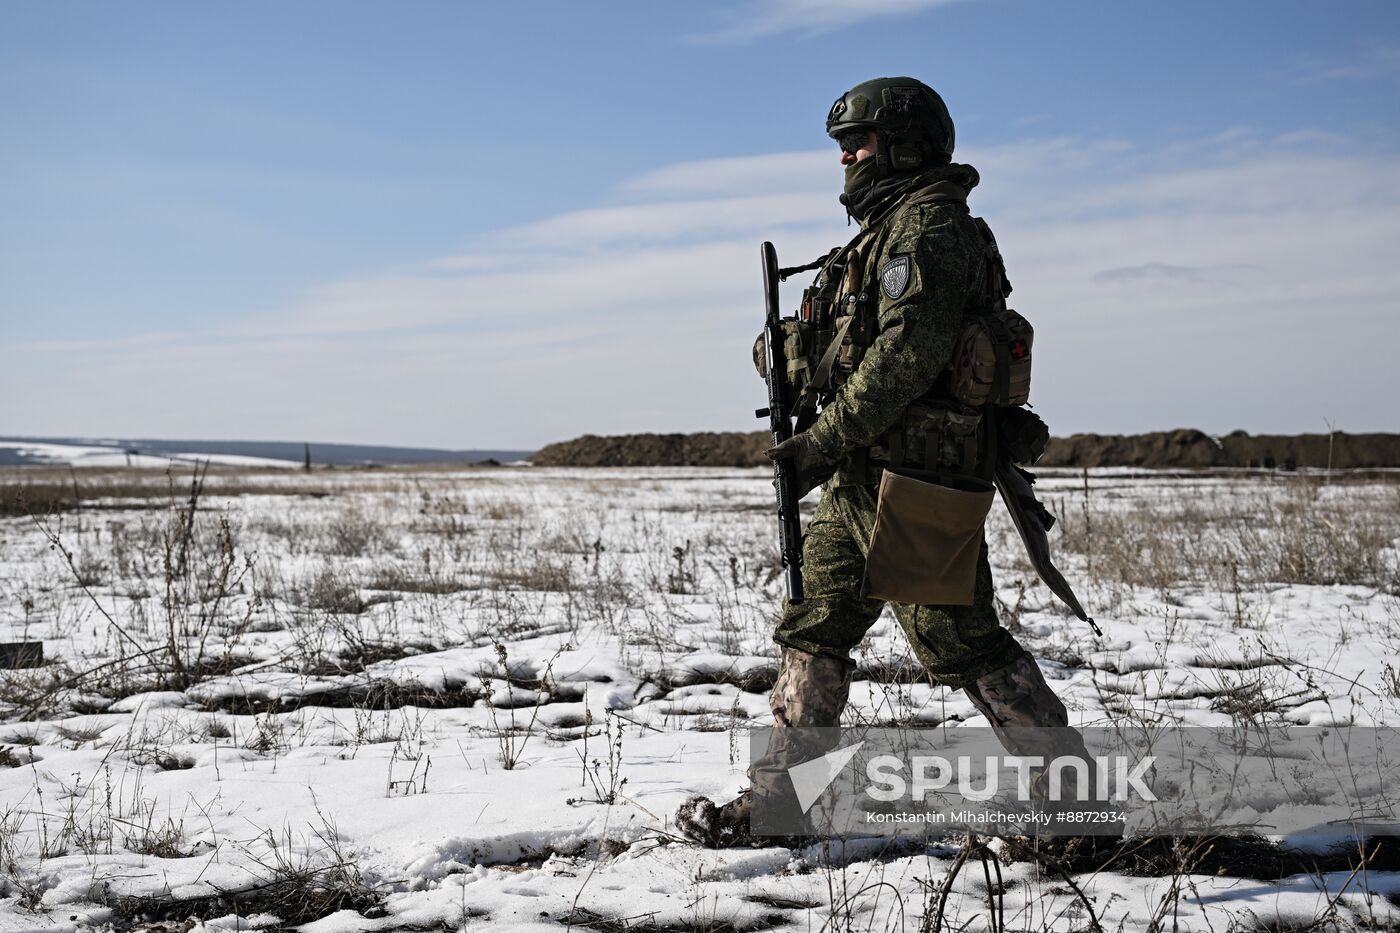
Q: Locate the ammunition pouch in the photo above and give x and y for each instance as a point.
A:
(800, 351)
(935, 436)
(992, 357)
(927, 538)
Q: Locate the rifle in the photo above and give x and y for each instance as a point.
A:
(780, 426)
(1032, 523)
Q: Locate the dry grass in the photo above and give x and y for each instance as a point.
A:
(302, 881)
(356, 532)
(1296, 530)
(402, 578)
(393, 565)
(46, 490)
(329, 591)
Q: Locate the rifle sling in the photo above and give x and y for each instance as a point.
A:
(823, 370)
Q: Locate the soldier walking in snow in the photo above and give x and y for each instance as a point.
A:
(911, 373)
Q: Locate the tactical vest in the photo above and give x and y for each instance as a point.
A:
(945, 430)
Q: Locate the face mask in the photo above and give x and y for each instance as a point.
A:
(860, 175)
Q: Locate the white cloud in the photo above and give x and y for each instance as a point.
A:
(1230, 282)
(756, 19)
(669, 221)
(1370, 61)
(777, 172)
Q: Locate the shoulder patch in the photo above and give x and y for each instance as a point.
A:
(894, 277)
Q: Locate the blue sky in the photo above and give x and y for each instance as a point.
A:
(472, 225)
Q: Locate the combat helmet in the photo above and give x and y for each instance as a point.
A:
(909, 118)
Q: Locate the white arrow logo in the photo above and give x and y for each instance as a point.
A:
(811, 778)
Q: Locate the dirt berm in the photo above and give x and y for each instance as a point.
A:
(1180, 448)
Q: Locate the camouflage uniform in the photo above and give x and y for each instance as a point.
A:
(923, 261)
(960, 646)
(955, 644)
(913, 345)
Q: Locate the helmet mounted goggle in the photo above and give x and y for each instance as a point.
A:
(853, 140)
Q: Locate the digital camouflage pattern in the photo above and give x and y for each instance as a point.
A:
(920, 266)
(891, 384)
(955, 644)
(915, 332)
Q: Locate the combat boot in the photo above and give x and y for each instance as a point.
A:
(811, 692)
(716, 827)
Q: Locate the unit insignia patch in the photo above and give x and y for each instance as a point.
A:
(894, 277)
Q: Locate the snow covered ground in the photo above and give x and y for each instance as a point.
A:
(109, 454)
(473, 698)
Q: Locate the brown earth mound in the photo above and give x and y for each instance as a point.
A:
(1162, 449)
(1181, 448)
(1188, 448)
(707, 449)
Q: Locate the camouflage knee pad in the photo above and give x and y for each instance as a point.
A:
(811, 692)
(1017, 695)
(1029, 719)
(811, 689)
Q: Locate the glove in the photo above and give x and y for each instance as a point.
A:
(813, 466)
(760, 357)
(1022, 434)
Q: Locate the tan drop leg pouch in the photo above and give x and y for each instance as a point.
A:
(927, 536)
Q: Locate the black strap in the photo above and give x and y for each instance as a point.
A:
(816, 382)
(784, 274)
(1001, 340)
(998, 285)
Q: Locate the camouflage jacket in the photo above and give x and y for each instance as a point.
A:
(923, 266)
